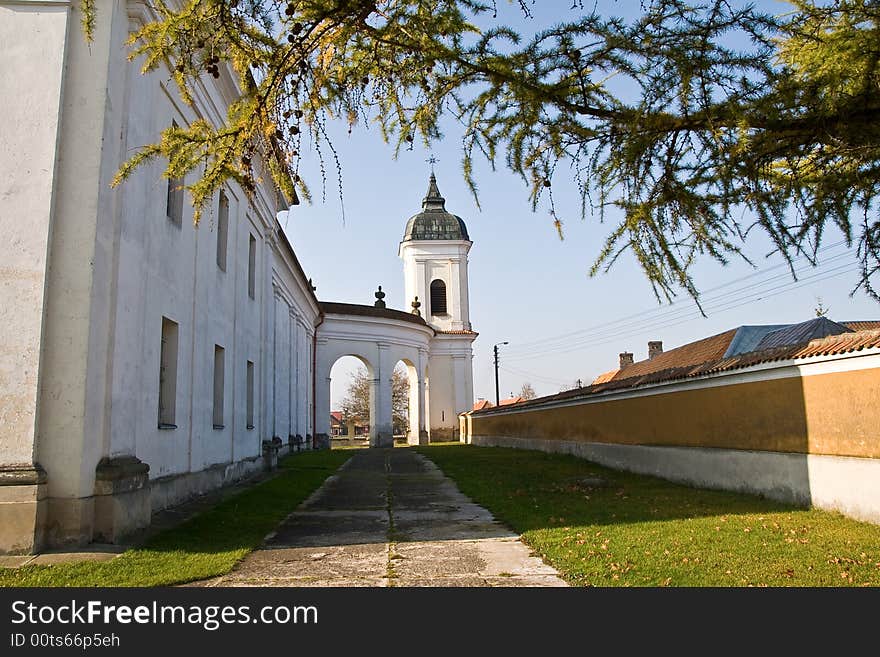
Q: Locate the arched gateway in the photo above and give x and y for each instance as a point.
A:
(434, 336)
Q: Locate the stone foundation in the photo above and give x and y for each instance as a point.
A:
(122, 498)
(70, 521)
(172, 490)
(23, 509)
(444, 435)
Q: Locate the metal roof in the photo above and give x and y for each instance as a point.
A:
(820, 327)
(434, 222)
(747, 338)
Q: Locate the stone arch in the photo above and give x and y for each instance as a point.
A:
(380, 337)
(365, 362)
(416, 384)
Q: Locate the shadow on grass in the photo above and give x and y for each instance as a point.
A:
(206, 545)
(645, 531)
(528, 488)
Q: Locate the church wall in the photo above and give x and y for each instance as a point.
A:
(442, 420)
(74, 362)
(451, 384)
(34, 38)
(118, 266)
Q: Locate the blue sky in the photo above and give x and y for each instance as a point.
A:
(527, 286)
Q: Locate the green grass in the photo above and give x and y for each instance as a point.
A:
(643, 531)
(208, 544)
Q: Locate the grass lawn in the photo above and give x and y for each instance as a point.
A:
(208, 544)
(642, 531)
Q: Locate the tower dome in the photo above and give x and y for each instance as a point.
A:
(434, 222)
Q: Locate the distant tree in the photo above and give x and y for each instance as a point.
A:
(400, 400)
(571, 386)
(527, 391)
(356, 406)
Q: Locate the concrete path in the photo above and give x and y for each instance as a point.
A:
(389, 517)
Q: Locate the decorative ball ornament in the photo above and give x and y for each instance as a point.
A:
(380, 296)
(416, 304)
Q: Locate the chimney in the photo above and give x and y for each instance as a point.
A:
(655, 348)
(626, 358)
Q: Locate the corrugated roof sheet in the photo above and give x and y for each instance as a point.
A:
(818, 327)
(748, 337)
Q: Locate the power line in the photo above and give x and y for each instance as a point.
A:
(731, 305)
(540, 378)
(670, 309)
(716, 305)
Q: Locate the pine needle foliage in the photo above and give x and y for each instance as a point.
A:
(701, 121)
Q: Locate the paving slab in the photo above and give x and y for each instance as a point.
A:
(390, 517)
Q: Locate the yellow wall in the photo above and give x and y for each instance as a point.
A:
(836, 414)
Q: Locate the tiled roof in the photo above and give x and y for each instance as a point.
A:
(336, 415)
(684, 357)
(862, 325)
(831, 345)
(480, 404)
(605, 376)
(511, 400)
(828, 346)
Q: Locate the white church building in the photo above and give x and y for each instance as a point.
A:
(145, 360)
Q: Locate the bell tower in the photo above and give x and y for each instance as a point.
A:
(434, 251)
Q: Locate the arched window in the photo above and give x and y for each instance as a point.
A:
(438, 297)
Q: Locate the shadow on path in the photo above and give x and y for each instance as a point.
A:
(389, 517)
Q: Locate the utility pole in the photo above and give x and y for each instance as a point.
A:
(497, 395)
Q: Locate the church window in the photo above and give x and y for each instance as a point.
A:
(219, 377)
(250, 394)
(174, 198)
(252, 267)
(222, 231)
(438, 297)
(168, 374)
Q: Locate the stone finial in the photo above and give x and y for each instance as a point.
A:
(416, 304)
(380, 295)
(312, 285)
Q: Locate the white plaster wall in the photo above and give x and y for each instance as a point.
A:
(34, 38)
(169, 270)
(848, 485)
(427, 260)
(75, 358)
(380, 343)
(450, 379)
